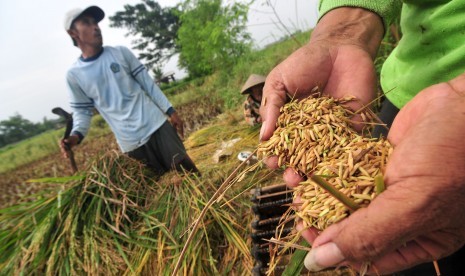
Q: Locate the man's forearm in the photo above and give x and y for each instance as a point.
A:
(81, 122)
(351, 26)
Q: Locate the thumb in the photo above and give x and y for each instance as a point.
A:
(364, 236)
(274, 97)
(324, 256)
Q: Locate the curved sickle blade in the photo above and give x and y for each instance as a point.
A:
(68, 118)
(69, 126)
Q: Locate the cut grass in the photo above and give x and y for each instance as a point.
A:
(114, 219)
(83, 229)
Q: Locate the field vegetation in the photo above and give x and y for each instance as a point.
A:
(112, 218)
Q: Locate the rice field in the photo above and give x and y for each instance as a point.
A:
(112, 218)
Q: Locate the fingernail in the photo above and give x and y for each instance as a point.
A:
(324, 256)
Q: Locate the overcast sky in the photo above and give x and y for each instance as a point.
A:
(36, 52)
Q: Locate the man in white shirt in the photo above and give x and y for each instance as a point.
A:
(112, 80)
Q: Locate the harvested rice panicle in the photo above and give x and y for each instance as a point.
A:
(315, 137)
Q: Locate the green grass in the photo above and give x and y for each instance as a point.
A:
(29, 150)
(40, 146)
(227, 83)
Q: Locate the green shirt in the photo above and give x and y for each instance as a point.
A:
(432, 48)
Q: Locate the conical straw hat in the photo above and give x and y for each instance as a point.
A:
(251, 82)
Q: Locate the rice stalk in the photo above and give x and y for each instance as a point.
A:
(114, 219)
(86, 229)
(195, 227)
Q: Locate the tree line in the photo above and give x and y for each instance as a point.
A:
(16, 128)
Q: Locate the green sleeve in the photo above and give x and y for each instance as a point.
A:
(388, 10)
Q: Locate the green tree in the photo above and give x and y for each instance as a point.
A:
(16, 128)
(47, 124)
(211, 35)
(155, 27)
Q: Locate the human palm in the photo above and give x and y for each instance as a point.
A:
(337, 70)
(419, 218)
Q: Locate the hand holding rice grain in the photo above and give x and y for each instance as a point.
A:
(315, 137)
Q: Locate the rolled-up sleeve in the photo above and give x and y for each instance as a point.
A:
(388, 10)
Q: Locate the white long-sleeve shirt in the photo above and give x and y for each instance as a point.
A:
(120, 88)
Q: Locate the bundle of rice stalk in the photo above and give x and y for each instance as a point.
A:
(115, 219)
(343, 169)
(220, 245)
(81, 229)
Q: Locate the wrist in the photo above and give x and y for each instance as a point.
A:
(348, 25)
(78, 137)
(170, 111)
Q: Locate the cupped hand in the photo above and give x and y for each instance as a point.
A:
(67, 144)
(338, 64)
(419, 217)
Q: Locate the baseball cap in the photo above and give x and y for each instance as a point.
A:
(94, 11)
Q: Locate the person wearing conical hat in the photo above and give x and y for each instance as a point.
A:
(254, 88)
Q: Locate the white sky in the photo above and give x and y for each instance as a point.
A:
(36, 52)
